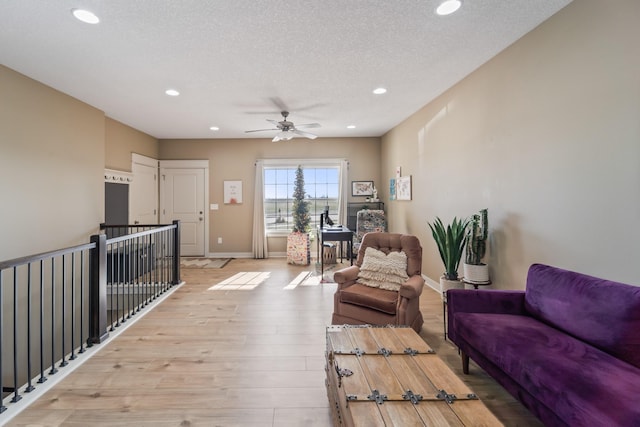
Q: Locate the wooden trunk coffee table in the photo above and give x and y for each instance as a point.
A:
(388, 376)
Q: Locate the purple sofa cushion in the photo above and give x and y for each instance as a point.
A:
(583, 385)
(603, 313)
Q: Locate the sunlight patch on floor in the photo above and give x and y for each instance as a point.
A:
(303, 279)
(243, 281)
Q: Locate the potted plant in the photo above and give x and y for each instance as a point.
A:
(451, 241)
(475, 271)
(298, 245)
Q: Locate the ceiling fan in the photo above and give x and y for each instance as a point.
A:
(287, 129)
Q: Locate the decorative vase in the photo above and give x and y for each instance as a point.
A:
(476, 273)
(446, 284)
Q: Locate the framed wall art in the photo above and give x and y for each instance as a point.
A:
(232, 192)
(362, 188)
(403, 188)
(392, 189)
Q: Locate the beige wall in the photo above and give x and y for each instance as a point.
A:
(235, 160)
(122, 140)
(51, 168)
(546, 136)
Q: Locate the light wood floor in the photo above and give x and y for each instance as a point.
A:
(229, 358)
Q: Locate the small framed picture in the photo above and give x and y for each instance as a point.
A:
(403, 188)
(232, 192)
(362, 188)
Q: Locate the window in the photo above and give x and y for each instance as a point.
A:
(321, 186)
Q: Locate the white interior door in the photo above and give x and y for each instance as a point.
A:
(143, 191)
(182, 197)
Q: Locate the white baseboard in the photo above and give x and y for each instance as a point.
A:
(431, 283)
(277, 254)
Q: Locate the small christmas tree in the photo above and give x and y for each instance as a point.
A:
(301, 217)
(298, 247)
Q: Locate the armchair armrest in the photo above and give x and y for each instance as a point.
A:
(346, 276)
(412, 288)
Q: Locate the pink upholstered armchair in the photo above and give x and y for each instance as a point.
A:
(357, 304)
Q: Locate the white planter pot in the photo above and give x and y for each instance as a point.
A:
(476, 273)
(446, 284)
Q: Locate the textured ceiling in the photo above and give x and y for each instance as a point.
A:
(236, 63)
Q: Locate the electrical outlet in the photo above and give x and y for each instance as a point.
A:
(219, 240)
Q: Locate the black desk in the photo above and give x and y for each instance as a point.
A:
(334, 234)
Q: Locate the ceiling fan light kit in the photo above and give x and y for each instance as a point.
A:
(287, 130)
(283, 136)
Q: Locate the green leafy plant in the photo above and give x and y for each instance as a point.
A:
(451, 241)
(301, 218)
(477, 238)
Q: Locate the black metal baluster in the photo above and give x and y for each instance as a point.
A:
(126, 298)
(81, 302)
(73, 307)
(132, 259)
(142, 277)
(161, 258)
(142, 285)
(53, 317)
(30, 386)
(140, 288)
(16, 395)
(143, 288)
(42, 378)
(117, 284)
(176, 253)
(63, 313)
(155, 277)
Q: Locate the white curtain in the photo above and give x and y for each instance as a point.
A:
(259, 230)
(344, 192)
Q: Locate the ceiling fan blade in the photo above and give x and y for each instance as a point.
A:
(275, 122)
(258, 130)
(278, 102)
(305, 134)
(308, 125)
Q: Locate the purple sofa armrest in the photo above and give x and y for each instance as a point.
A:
(481, 301)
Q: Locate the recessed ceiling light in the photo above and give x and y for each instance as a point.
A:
(351, 127)
(447, 7)
(214, 128)
(172, 92)
(85, 16)
(379, 91)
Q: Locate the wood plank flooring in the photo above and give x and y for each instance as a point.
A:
(252, 357)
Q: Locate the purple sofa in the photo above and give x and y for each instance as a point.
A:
(568, 347)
